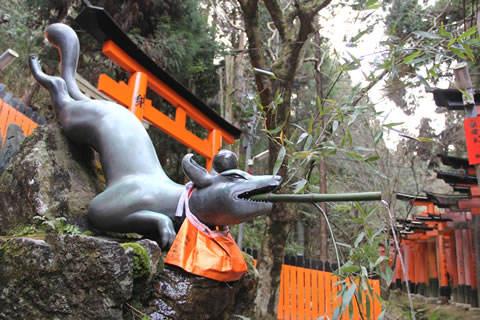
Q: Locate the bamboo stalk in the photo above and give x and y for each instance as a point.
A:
(318, 197)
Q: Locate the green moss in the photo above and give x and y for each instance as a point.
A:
(160, 265)
(12, 250)
(88, 233)
(141, 261)
(24, 230)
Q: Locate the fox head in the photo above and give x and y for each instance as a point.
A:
(221, 197)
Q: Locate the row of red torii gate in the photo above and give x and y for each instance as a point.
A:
(438, 243)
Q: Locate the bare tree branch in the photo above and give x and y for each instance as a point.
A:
(278, 18)
(256, 53)
(224, 16)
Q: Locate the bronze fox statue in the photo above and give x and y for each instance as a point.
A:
(139, 196)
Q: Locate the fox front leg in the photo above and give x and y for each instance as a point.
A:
(146, 221)
(151, 224)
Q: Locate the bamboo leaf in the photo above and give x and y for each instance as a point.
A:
(378, 136)
(411, 57)
(443, 32)
(380, 259)
(336, 313)
(350, 269)
(279, 161)
(359, 35)
(364, 271)
(334, 126)
(426, 35)
(300, 185)
(373, 4)
(458, 52)
(382, 315)
(373, 158)
(342, 142)
(426, 139)
(350, 310)
(302, 137)
(347, 297)
(359, 239)
(359, 207)
(274, 131)
(451, 42)
(421, 59)
(387, 275)
(354, 155)
(349, 136)
(344, 245)
(468, 51)
(471, 31)
(360, 148)
(358, 220)
(367, 306)
(393, 124)
(423, 81)
(308, 143)
(310, 125)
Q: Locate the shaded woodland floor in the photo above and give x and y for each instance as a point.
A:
(398, 307)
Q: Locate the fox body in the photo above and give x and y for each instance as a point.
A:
(139, 196)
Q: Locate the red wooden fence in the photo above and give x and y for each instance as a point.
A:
(9, 115)
(310, 294)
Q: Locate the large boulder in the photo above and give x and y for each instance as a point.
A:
(68, 277)
(83, 277)
(58, 277)
(50, 177)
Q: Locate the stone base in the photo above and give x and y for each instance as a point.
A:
(80, 277)
(64, 277)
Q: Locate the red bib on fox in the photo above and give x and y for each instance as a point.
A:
(208, 253)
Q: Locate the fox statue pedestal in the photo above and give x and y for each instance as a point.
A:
(49, 176)
(180, 295)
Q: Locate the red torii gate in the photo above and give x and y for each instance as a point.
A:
(144, 73)
(437, 251)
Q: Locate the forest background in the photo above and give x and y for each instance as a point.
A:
(270, 68)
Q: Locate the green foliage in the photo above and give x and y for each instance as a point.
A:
(363, 261)
(24, 36)
(46, 225)
(424, 41)
(406, 16)
(27, 231)
(181, 41)
(57, 225)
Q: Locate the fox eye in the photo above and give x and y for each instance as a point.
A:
(236, 176)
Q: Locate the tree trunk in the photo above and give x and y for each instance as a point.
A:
(229, 78)
(239, 81)
(270, 266)
(322, 167)
(294, 26)
(30, 92)
(278, 223)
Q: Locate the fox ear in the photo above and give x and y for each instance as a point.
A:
(197, 174)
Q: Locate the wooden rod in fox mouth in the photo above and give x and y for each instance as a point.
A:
(318, 197)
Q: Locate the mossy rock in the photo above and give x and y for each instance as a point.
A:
(141, 261)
